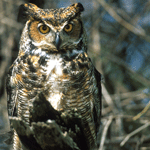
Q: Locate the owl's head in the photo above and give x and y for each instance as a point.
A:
(54, 29)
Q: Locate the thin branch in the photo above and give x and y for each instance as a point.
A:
(133, 94)
(138, 31)
(129, 117)
(142, 112)
(105, 132)
(108, 99)
(133, 74)
(126, 102)
(134, 132)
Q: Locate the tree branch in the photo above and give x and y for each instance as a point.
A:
(50, 129)
(134, 132)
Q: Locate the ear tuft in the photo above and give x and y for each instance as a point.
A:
(26, 11)
(22, 15)
(79, 7)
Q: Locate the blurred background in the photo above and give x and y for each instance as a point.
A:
(119, 46)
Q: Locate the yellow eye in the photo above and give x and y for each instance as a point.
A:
(68, 27)
(44, 29)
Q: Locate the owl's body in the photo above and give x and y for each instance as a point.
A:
(53, 60)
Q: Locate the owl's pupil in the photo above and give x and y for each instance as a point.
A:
(67, 27)
(44, 27)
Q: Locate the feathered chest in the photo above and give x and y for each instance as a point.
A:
(61, 79)
(67, 81)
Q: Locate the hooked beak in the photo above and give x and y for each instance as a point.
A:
(57, 40)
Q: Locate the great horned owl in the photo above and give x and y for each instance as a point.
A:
(53, 60)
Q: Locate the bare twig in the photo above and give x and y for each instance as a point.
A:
(139, 78)
(43, 135)
(133, 94)
(143, 120)
(105, 132)
(126, 105)
(142, 112)
(134, 132)
(130, 27)
(108, 99)
(133, 74)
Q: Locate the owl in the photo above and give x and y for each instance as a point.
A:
(53, 59)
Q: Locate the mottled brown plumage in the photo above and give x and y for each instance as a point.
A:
(53, 59)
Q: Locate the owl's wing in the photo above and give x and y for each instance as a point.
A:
(11, 94)
(98, 103)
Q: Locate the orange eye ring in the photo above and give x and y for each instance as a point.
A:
(44, 29)
(68, 27)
